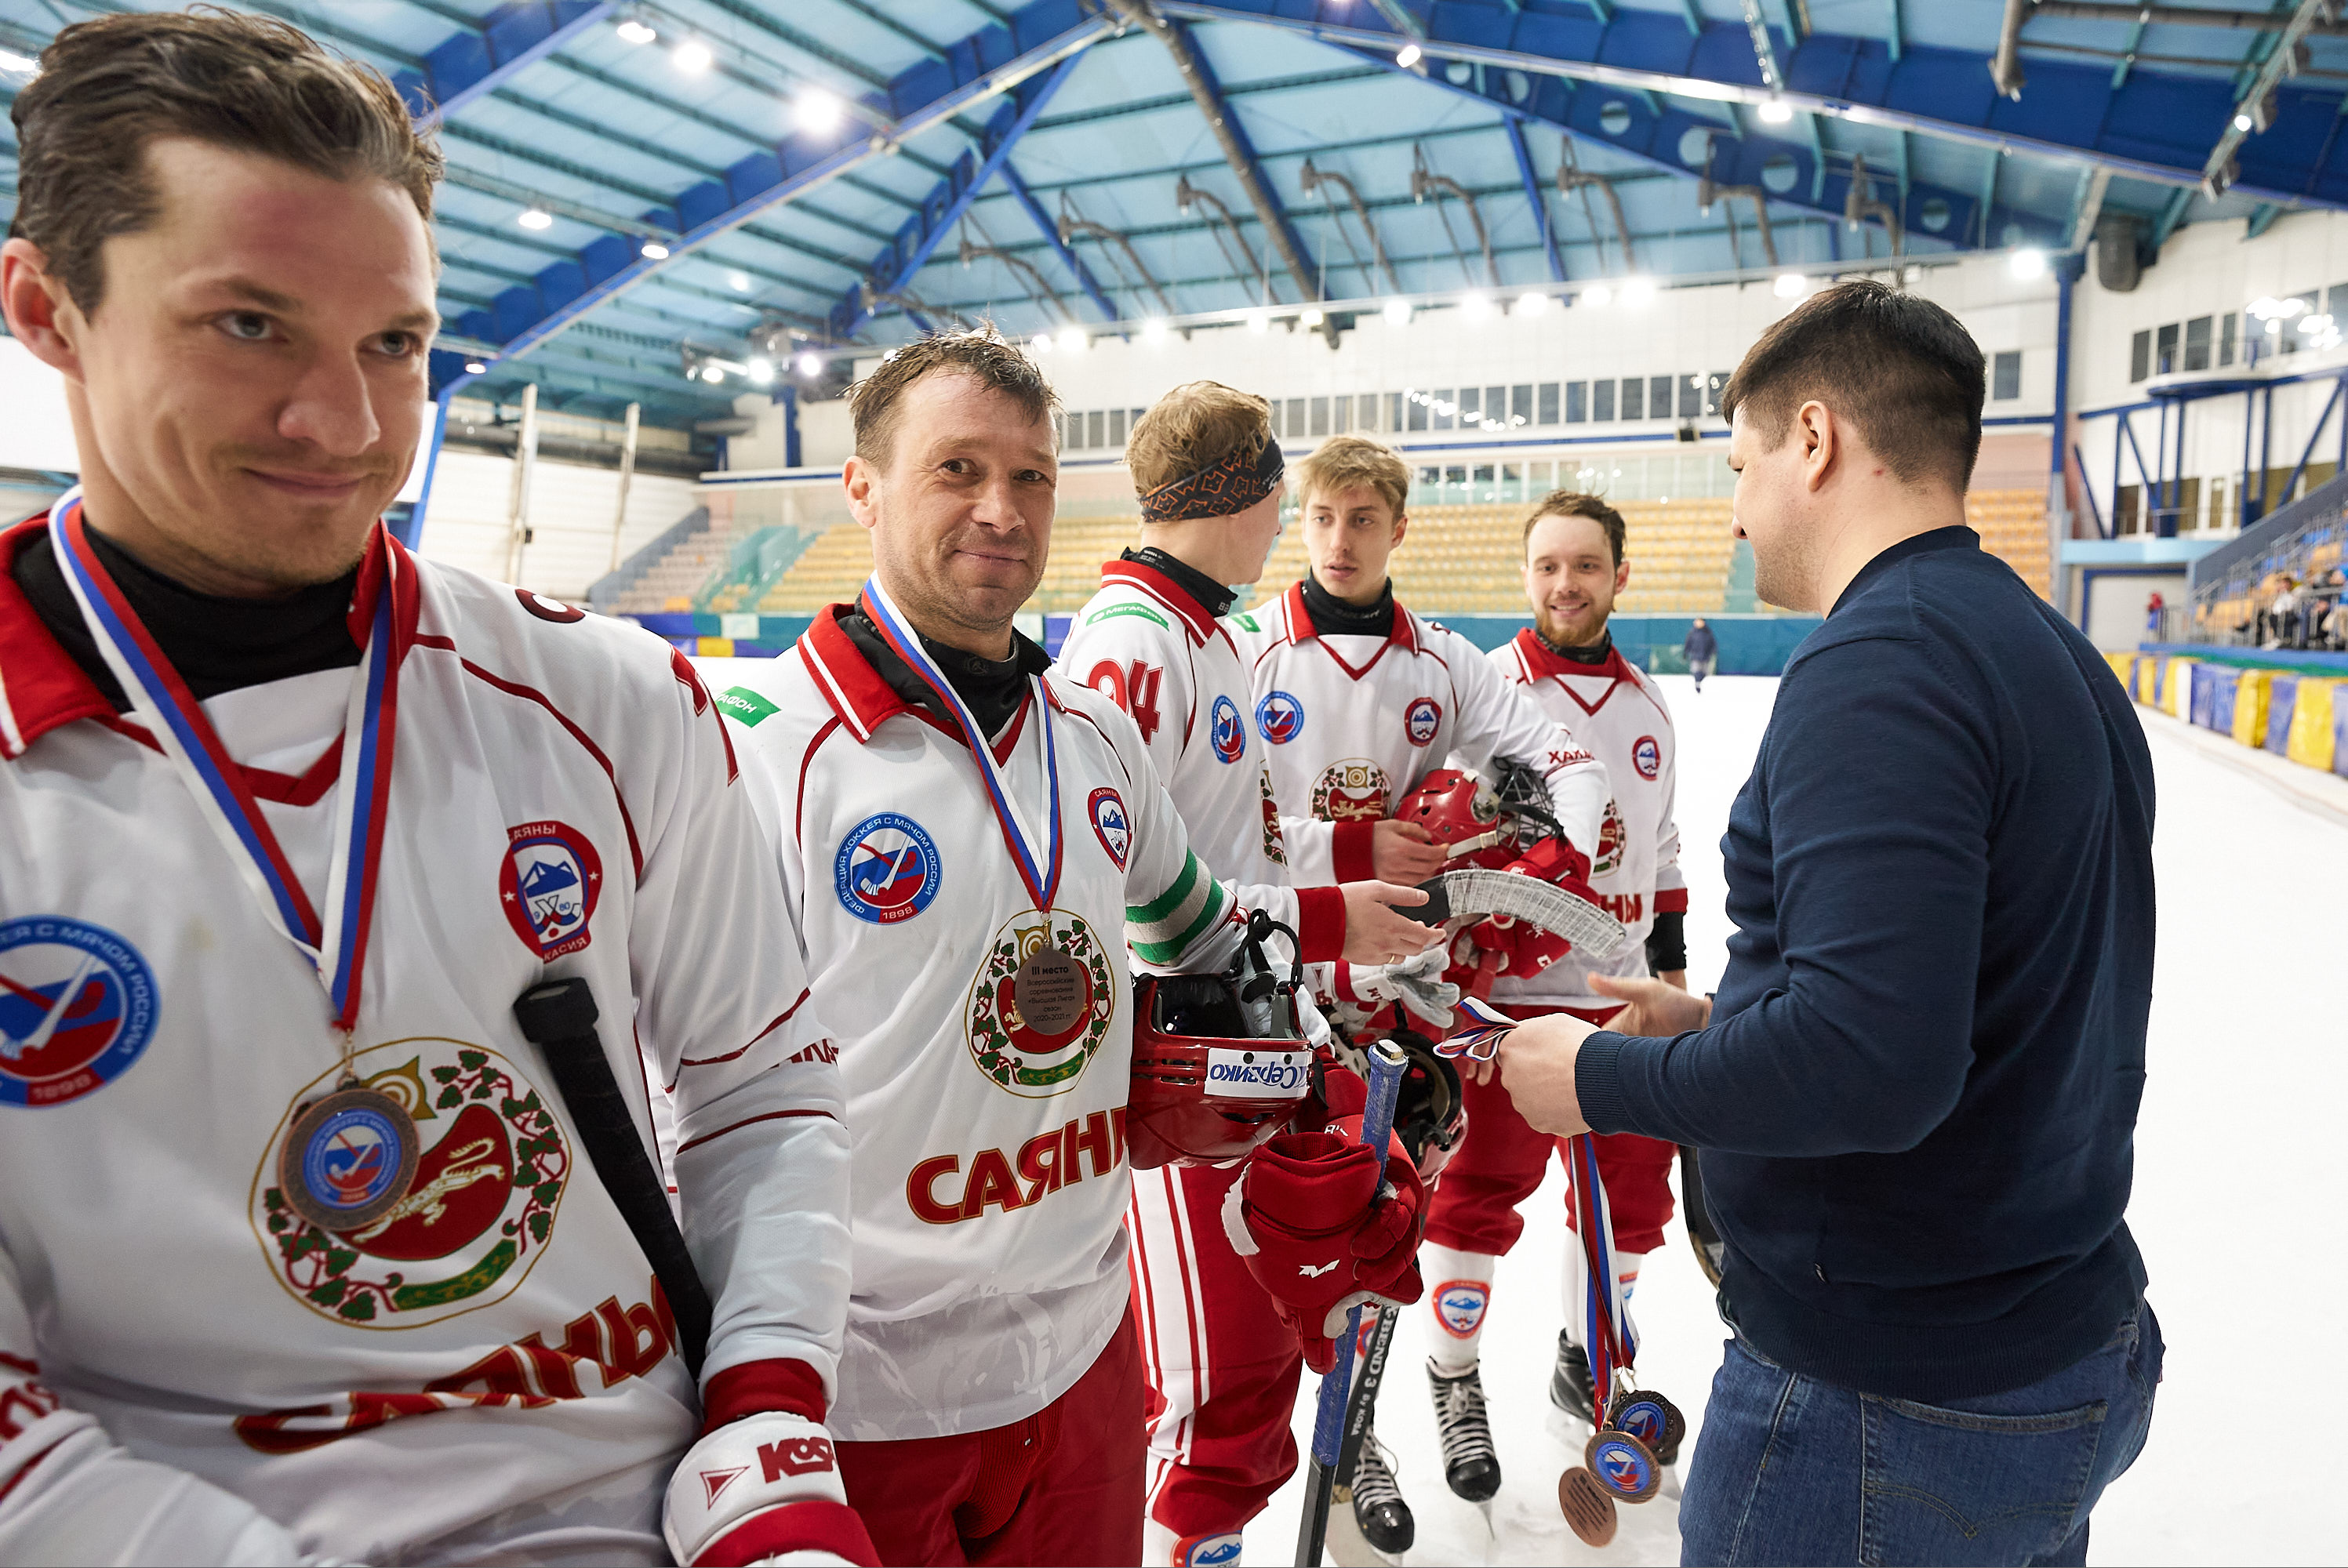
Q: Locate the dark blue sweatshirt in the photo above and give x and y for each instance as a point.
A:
(1917, 1099)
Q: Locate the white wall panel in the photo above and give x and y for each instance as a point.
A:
(570, 519)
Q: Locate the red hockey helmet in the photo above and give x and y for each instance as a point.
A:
(1206, 1090)
(1458, 809)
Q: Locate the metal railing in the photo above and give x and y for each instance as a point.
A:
(2236, 586)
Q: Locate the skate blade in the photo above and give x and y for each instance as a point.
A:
(1346, 1546)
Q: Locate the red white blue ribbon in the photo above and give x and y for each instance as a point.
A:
(1607, 1336)
(1479, 1038)
(1036, 854)
(335, 945)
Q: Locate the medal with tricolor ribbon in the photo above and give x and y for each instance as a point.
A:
(350, 1155)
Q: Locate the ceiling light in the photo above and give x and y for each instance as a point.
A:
(1259, 321)
(1311, 318)
(1532, 304)
(712, 374)
(475, 368)
(653, 250)
(2028, 264)
(1638, 290)
(1474, 306)
(1073, 340)
(2275, 326)
(1787, 285)
(2242, 124)
(739, 282)
(1040, 343)
(535, 218)
(1598, 294)
(2291, 307)
(635, 30)
(1154, 330)
(1408, 56)
(1396, 312)
(761, 370)
(1776, 113)
(693, 56)
(816, 111)
(811, 365)
(19, 64)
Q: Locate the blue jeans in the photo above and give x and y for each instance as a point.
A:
(1790, 1470)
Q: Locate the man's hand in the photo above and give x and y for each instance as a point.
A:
(760, 1488)
(1537, 1070)
(1404, 851)
(1417, 982)
(1654, 1007)
(1374, 932)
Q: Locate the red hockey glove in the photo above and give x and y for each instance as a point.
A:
(758, 1487)
(1512, 947)
(1321, 1233)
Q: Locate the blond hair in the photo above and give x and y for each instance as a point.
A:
(1191, 428)
(1343, 461)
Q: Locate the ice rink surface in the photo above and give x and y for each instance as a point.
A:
(2239, 1181)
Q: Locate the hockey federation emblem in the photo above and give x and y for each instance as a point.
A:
(1460, 1306)
(1622, 1466)
(1644, 1420)
(1611, 838)
(349, 1159)
(1110, 823)
(1647, 756)
(1227, 731)
(548, 885)
(1041, 1004)
(1421, 719)
(76, 1009)
(886, 869)
(1208, 1551)
(488, 1175)
(1279, 718)
(1353, 790)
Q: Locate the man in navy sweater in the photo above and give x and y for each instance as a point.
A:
(1916, 1093)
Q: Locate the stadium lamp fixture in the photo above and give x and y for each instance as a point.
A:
(635, 30)
(761, 372)
(535, 218)
(1474, 306)
(1040, 343)
(654, 250)
(18, 65)
(816, 111)
(475, 368)
(811, 365)
(1258, 321)
(1532, 304)
(712, 374)
(1153, 331)
(1599, 296)
(1312, 317)
(1408, 56)
(1787, 285)
(739, 282)
(1073, 341)
(2028, 264)
(1396, 312)
(2243, 123)
(1638, 290)
(1777, 111)
(693, 56)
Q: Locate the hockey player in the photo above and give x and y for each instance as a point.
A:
(1566, 661)
(1357, 700)
(971, 840)
(302, 1254)
(1223, 1368)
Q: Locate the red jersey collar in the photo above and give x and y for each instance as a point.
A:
(1148, 580)
(863, 700)
(1403, 633)
(1541, 662)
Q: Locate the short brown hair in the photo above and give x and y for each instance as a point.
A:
(1197, 425)
(981, 352)
(1343, 461)
(107, 88)
(1575, 504)
(1903, 370)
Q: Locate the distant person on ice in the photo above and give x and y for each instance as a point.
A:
(1917, 1092)
(1702, 651)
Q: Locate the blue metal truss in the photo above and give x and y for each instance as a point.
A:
(1060, 248)
(1535, 196)
(474, 64)
(892, 270)
(1310, 284)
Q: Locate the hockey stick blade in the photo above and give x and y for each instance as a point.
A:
(1477, 893)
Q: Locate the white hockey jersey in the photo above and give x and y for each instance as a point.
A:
(990, 1181)
(1635, 866)
(1152, 649)
(489, 1364)
(1351, 725)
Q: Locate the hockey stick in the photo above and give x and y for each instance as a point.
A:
(559, 1018)
(1345, 1543)
(1387, 1067)
(1476, 892)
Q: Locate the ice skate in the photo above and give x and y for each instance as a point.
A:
(1471, 1466)
(1379, 1512)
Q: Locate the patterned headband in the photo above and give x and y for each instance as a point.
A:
(1222, 489)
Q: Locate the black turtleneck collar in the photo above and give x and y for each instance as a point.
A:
(1597, 652)
(993, 688)
(1209, 595)
(1333, 617)
(216, 644)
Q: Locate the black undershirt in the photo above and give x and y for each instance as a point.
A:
(993, 688)
(216, 644)
(1333, 617)
(1596, 653)
(1209, 595)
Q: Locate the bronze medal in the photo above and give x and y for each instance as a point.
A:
(1623, 1465)
(1053, 990)
(1652, 1419)
(1588, 1509)
(348, 1160)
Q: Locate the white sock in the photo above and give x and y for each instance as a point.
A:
(1459, 1291)
(1574, 1283)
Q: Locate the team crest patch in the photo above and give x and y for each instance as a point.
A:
(1208, 1551)
(490, 1167)
(1611, 837)
(1421, 718)
(546, 609)
(1275, 842)
(548, 885)
(1460, 1306)
(1041, 1004)
(76, 1009)
(1110, 823)
(1353, 790)
(886, 869)
(1647, 756)
(1227, 731)
(1279, 718)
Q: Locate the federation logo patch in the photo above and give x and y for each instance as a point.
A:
(1225, 728)
(1041, 1004)
(1110, 823)
(77, 1009)
(492, 1164)
(1353, 790)
(1279, 718)
(548, 885)
(1208, 1551)
(1460, 1306)
(886, 869)
(1647, 756)
(1421, 718)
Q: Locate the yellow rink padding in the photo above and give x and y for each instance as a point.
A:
(2124, 666)
(2147, 678)
(2250, 707)
(2176, 696)
(715, 647)
(2311, 738)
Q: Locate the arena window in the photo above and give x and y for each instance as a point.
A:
(1659, 398)
(2005, 371)
(1548, 400)
(2164, 350)
(1520, 404)
(2196, 343)
(1634, 398)
(1601, 402)
(2226, 337)
(2139, 357)
(1577, 403)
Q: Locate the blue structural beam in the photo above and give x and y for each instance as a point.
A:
(2152, 125)
(1265, 197)
(1051, 232)
(968, 71)
(893, 269)
(1536, 196)
(480, 59)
